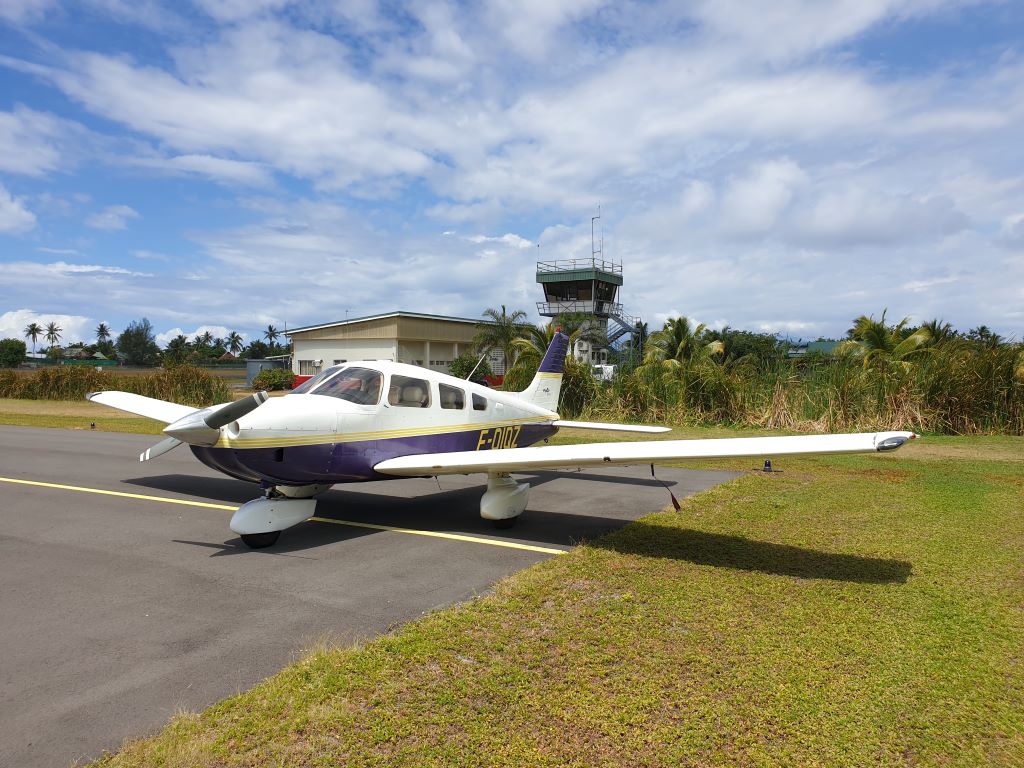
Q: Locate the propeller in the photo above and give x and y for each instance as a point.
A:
(203, 427)
(236, 410)
(160, 448)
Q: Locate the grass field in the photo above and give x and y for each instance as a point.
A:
(850, 611)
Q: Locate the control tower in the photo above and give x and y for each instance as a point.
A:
(587, 287)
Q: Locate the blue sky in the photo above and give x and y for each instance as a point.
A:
(229, 165)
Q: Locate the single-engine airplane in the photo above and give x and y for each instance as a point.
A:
(380, 420)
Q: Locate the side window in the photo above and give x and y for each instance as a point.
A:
(479, 403)
(452, 397)
(407, 392)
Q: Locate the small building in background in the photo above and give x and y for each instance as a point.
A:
(253, 367)
(431, 341)
(821, 347)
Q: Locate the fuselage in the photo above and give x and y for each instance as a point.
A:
(339, 425)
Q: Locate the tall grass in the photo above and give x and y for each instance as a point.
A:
(957, 390)
(184, 384)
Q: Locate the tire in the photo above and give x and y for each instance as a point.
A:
(505, 523)
(260, 540)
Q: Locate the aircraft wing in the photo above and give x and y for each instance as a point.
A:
(161, 410)
(609, 427)
(651, 452)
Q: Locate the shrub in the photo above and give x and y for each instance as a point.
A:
(274, 379)
(10, 383)
(464, 364)
(12, 352)
(185, 384)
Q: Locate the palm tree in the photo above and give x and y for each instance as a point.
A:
(679, 343)
(53, 334)
(271, 334)
(939, 331)
(235, 344)
(206, 339)
(33, 331)
(883, 346)
(177, 350)
(530, 349)
(102, 332)
(500, 332)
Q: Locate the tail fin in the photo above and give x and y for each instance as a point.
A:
(547, 384)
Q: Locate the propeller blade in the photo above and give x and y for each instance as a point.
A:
(235, 410)
(159, 449)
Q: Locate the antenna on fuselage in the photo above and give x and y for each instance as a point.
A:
(470, 376)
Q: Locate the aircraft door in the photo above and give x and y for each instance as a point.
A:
(353, 453)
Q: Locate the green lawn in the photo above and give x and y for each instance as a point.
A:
(73, 414)
(849, 611)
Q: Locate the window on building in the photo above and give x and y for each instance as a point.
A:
(356, 385)
(339, 362)
(408, 392)
(308, 367)
(452, 397)
(479, 403)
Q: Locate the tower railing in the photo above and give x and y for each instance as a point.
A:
(568, 265)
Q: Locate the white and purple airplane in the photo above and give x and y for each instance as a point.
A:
(380, 420)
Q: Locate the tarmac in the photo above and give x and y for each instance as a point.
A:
(125, 598)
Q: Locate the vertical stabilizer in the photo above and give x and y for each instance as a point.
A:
(546, 385)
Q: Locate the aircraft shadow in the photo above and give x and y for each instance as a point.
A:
(740, 553)
(457, 511)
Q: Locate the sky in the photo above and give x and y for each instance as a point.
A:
(781, 167)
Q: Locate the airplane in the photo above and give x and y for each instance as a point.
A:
(383, 420)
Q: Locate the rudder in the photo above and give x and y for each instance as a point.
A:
(547, 384)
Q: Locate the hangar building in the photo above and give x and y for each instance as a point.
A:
(431, 341)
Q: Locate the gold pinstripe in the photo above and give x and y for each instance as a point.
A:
(285, 441)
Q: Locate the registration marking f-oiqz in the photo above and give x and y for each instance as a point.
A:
(350, 523)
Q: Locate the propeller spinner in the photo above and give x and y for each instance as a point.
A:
(203, 427)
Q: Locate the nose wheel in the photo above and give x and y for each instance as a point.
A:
(260, 540)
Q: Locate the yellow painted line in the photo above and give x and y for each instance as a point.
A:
(440, 535)
(207, 505)
(164, 499)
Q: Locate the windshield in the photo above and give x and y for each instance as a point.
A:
(308, 384)
(356, 385)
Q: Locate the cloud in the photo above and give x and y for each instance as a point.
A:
(784, 168)
(112, 217)
(15, 218)
(219, 169)
(508, 239)
(74, 327)
(28, 141)
(752, 204)
(1012, 230)
(58, 251)
(25, 11)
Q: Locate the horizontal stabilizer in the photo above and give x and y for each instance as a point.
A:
(609, 427)
(151, 408)
(651, 452)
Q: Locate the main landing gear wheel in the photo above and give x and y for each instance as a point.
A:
(260, 540)
(505, 523)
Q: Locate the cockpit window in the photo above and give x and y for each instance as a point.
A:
(356, 385)
(308, 384)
